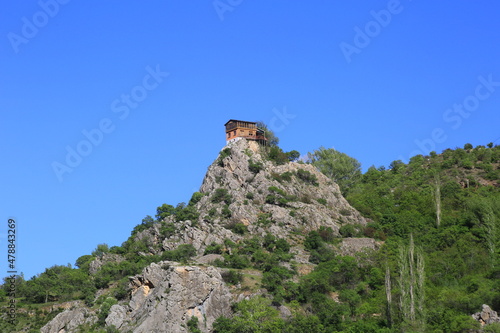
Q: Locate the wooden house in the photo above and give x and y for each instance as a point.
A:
(244, 129)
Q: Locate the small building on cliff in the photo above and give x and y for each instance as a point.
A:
(244, 129)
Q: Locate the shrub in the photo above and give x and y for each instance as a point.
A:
(250, 195)
(345, 212)
(287, 176)
(326, 233)
(195, 198)
(167, 230)
(277, 155)
(264, 219)
(236, 261)
(223, 154)
(254, 167)
(348, 230)
(192, 325)
(282, 245)
(221, 195)
(238, 228)
(182, 253)
(232, 277)
(213, 248)
(321, 201)
(226, 212)
(164, 211)
(105, 307)
(307, 177)
(313, 240)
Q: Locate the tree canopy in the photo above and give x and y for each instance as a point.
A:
(340, 167)
(272, 139)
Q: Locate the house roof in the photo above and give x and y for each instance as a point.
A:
(244, 121)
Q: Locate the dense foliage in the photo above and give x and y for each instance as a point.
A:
(438, 217)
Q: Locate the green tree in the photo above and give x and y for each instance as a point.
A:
(293, 155)
(340, 167)
(255, 315)
(272, 139)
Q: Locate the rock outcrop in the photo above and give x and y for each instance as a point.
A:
(486, 316)
(280, 199)
(70, 320)
(163, 298)
(166, 295)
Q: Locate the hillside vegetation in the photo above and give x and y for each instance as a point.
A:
(276, 230)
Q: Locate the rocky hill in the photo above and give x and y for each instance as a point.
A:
(243, 195)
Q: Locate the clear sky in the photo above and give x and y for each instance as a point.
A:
(112, 108)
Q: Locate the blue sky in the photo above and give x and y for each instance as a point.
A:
(110, 109)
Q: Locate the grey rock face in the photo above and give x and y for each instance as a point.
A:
(486, 316)
(351, 246)
(164, 299)
(117, 315)
(69, 320)
(307, 206)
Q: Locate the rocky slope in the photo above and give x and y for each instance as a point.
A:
(306, 204)
(243, 194)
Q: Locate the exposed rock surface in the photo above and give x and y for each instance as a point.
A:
(350, 246)
(69, 320)
(308, 205)
(164, 299)
(486, 316)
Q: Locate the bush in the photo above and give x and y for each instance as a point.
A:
(277, 155)
(192, 325)
(238, 228)
(223, 154)
(226, 212)
(345, 212)
(236, 261)
(164, 211)
(313, 240)
(307, 177)
(213, 248)
(264, 218)
(282, 245)
(232, 277)
(167, 230)
(326, 233)
(321, 201)
(254, 167)
(195, 198)
(182, 253)
(348, 230)
(104, 310)
(287, 176)
(221, 195)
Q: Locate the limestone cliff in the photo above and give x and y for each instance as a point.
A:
(279, 199)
